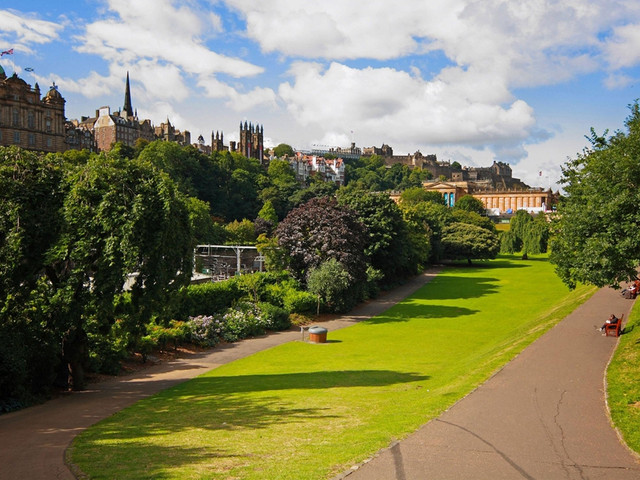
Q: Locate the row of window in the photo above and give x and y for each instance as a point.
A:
(31, 120)
(31, 139)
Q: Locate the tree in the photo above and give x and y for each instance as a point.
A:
(31, 197)
(329, 282)
(241, 233)
(470, 242)
(120, 217)
(414, 195)
(283, 150)
(596, 230)
(526, 234)
(319, 230)
(472, 218)
(470, 204)
(388, 248)
(432, 218)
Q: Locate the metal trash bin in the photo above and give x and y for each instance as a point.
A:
(318, 334)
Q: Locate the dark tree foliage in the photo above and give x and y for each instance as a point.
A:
(320, 230)
(388, 247)
(30, 199)
(462, 241)
(596, 230)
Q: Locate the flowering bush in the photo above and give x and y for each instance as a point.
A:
(206, 330)
(244, 320)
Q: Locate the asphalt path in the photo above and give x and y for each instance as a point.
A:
(543, 416)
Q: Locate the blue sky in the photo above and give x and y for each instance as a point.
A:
(471, 81)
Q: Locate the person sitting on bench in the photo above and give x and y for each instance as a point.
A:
(612, 320)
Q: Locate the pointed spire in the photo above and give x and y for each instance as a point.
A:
(127, 98)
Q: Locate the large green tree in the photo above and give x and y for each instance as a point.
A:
(463, 241)
(122, 220)
(596, 230)
(30, 200)
(388, 247)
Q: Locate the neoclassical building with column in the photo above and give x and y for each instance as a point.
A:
(496, 201)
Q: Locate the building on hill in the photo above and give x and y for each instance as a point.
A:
(349, 153)
(327, 170)
(122, 126)
(251, 143)
(29, 121)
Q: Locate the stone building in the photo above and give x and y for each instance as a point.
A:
(251, 142)
(29, 121)
(497, 201)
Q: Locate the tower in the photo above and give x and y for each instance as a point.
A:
(128, 109)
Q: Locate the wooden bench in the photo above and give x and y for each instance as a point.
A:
(614, 328)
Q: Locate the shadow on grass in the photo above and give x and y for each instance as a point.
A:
(448, 287)
(412, 309)
(218, 403)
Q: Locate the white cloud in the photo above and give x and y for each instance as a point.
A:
(623, 49)
(396, 106)
(18, 31)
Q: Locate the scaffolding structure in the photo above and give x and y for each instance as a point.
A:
(220, 262)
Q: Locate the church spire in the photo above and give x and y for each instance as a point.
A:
(127, 99)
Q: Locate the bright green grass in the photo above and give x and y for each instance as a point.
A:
(303, 411)
(623, 382)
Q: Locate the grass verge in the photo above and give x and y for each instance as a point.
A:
(623, 382)
(303, 411)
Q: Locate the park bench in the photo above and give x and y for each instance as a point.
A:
(614, 328)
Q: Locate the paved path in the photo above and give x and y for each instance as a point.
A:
(33, 441)
(543, 416)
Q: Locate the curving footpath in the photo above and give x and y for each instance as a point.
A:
(543, 416)
(33, 441)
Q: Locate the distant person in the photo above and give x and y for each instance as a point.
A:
(612, 320)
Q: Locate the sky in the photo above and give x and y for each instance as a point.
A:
(515, 81)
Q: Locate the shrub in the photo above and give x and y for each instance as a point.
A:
(297, 301)
(206, 330)
(207, 299)
(242, 321)
(276, 318)
(298, 319)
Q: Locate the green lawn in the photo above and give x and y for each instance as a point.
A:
(623, 381)
(303, 411)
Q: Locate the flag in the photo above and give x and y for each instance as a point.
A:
(7, 52)
(540, 174)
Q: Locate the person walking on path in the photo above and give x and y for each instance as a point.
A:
(543, 416)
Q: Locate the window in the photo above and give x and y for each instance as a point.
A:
(16, 137)
(16, 117)
(47, 124)
(32, 139)
(31, 123)
(49, 143)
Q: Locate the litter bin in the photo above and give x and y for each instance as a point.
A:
(318, 334)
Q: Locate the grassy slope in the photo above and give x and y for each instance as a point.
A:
(302, 411)
(623, 382)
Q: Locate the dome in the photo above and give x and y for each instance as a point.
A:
(53, 93)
